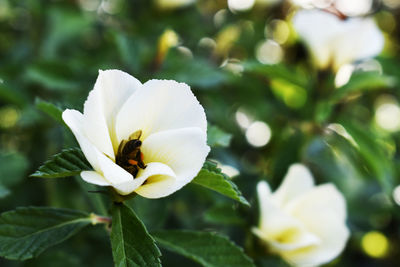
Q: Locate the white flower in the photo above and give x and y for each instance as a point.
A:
(313, 3)
(303, 223)
(163, 114)
(335, 42)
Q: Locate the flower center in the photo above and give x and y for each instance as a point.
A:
(129, 155)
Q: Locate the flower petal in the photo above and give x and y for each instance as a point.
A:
(335, 41)
(317, 29)
(93, 177)
(323, 213)
(153, 169)
(111, 90)
(362, 39)
(158, 106)
(74, 120)
(183, 150)
(298, 180)
(281, 231)
(119, 178)
(157, 186)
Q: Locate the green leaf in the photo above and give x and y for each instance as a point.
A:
(52, 75)
(374, 153)
(208, 249)
(131, 244)
(363, 81)
(198, 72)
(211, 177)
(69, 162)
(28, 231)
(217, 137)
(278, 71)
(223, 214)
(11, 95)
(50, 109)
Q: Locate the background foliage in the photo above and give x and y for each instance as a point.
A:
(50, 53)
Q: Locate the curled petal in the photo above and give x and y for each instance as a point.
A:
(153, 169)
(119, 178)
(183, 150)
(157, 186)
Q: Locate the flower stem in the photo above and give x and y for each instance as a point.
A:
(100, 219)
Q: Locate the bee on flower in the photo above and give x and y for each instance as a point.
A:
(148, 138)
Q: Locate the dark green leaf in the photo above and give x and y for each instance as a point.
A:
(198, 73)
(69, 162)
(373, 153)
(223, 214)
(28, 231)
(217, 137)
(52, 76)
(50, 109)
(12, 96)
(278, 71)
(211, 177)
(208, 249)
(363, 81)
(131, 244)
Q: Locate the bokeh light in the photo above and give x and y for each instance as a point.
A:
(229, 170)
(240, 5)
(387, 113)
(392, 3)
(396, 195)
(258, 134)
(242, 119)
(375, 244)
(343, 75)
(279, 31)
(233, 65)
(8, 116)
(269, 52)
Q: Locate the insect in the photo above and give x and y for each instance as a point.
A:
(129, 155)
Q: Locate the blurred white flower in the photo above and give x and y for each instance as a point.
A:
(303, 223)
(336, 42)
(313, 3)
(346, 7)
(146, 138)
(354, 7)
